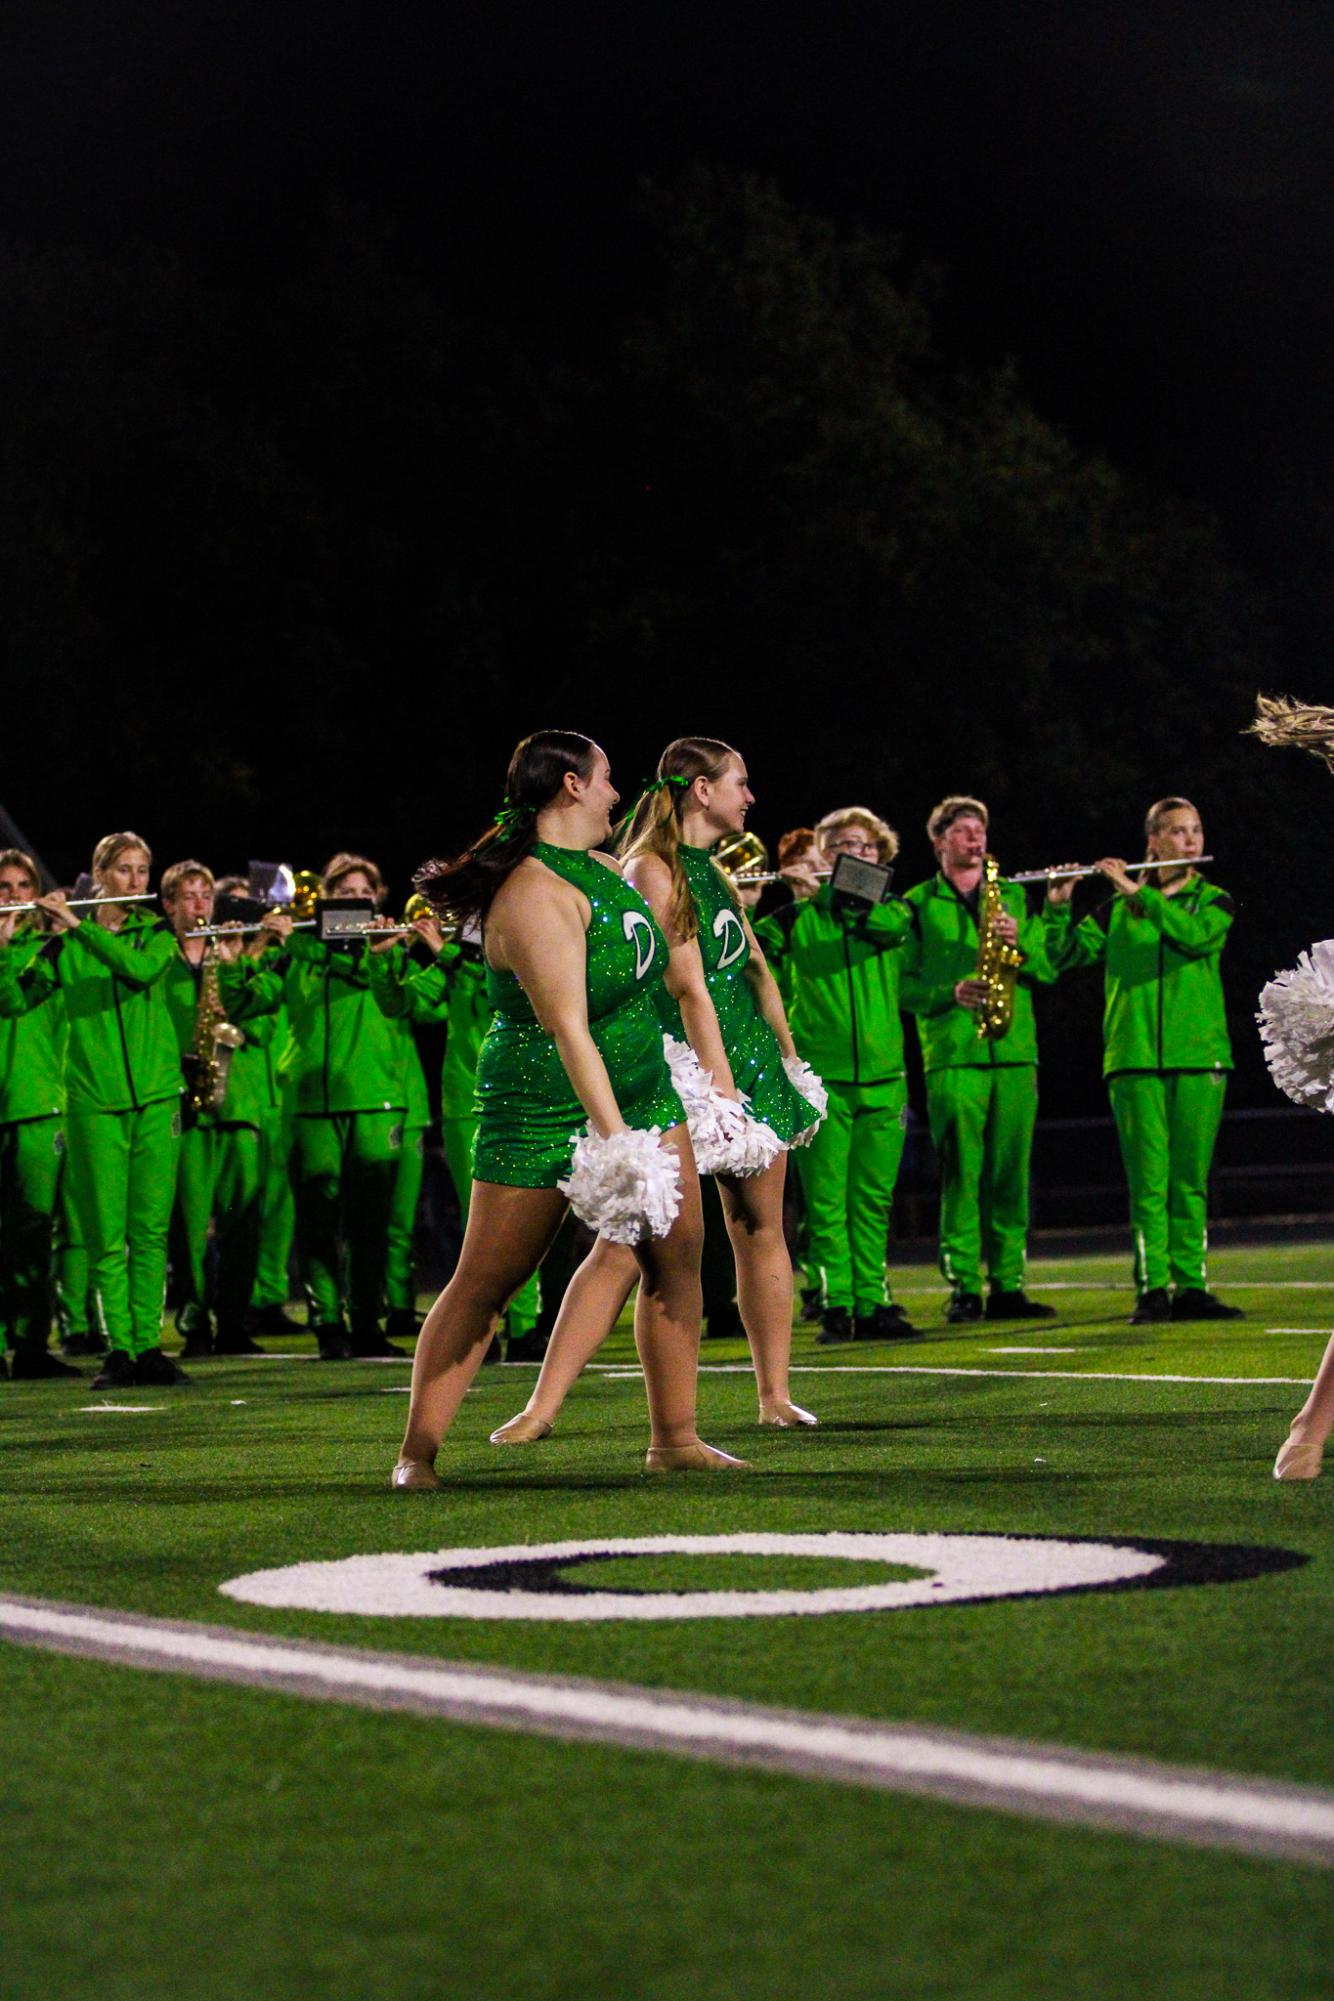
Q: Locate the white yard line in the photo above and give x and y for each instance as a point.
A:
(923, 1369)
(1167, 1803)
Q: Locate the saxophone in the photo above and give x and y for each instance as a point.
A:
(998, 963)
(213, 1044)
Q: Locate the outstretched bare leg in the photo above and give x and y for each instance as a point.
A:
(509, 1233)
(1299, 1457)
(667, 1317)
(592, 1303)
(753, 1209)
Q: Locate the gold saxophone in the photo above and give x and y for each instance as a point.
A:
(213, 1044)
(998, 962)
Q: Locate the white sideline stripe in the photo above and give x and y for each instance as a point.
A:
(1135, 1795)
(924, 1369)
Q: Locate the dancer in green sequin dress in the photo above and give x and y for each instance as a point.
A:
(527, 1109)
(720, 997)
(574, 955)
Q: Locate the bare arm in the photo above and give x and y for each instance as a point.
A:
(536, 930)
(684, 977)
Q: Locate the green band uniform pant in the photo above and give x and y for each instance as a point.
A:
(31, 1157)
(277, 1211)
(400, 1278)
(982, 1118)
(122, 1170)
(1167, 1122)
(457, 1136)
(219, 1179)
(848, 1173)
(76, 1312)
(345, 1168)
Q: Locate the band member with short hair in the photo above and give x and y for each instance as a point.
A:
(32, 1143)
(220, 1170)
(981, 1092)
(1166, 1054)
(344, 1068)
(257, 1062)
(838, 963)
(123, 1090)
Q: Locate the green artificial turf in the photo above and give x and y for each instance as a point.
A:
(167, 1837)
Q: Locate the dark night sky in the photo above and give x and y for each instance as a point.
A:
(1134, 200)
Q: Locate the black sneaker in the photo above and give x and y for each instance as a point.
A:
(810, 1305)
(963, 1306)
(36, 1365)
(527, 1347)
(155, 1371)
(197, 1345)
(117, 1372)
(884, 1323)
(1151, 1307)
(233, 1341)
(276, 1320)
(368, 1344)
(1193, 1303)
(835, 1327)
(333, 1341)
(89, 1343)
(1016, 1306)
(403, 1324)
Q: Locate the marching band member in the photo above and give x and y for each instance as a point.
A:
(255, 1073)
(1166, 1051)
(220, 1170)
(343, 1066)
(123, 1089)
(721, 998)
(840, 969)
(451, 989)
(573, 957)
(981, 1094)
(32, 1144)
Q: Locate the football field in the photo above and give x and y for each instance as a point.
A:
(1013, 1679)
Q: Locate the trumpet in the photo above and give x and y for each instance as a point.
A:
(1077, 873)
(83, 902)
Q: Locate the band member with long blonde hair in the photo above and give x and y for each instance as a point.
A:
(727, 1007)
(1167, 1056)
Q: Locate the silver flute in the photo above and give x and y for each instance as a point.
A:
(1132, 868)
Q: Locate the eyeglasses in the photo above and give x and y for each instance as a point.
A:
(853, 847)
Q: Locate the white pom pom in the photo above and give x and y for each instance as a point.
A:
(804, 1080)
(625, 1186)
(726, 1138)
(1296, 1020)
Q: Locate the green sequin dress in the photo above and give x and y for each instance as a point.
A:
(528, 1116)
(751, 1045)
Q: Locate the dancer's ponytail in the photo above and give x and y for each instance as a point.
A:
(653, 825)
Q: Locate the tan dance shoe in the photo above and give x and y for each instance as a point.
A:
(695, 1458)
(786, 1416)
(525, 1429)
(1298, 1460)
(414, 1476)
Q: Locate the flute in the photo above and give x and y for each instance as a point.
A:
(1132, 868)
(82, 902)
